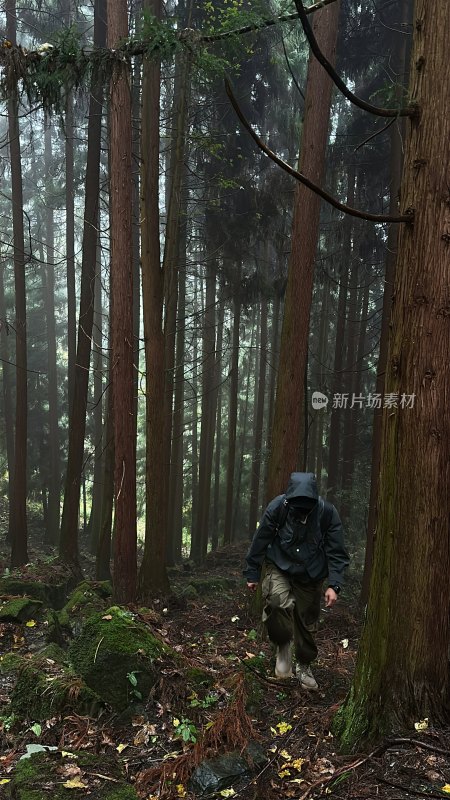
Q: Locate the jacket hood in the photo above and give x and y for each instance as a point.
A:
(302, 484)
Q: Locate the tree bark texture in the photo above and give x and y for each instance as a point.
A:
(402, 668)
(18, 534)
(288, 417)
(232, 415)
(122, 343)
(152, 575)
(68, 546)
(54, 484)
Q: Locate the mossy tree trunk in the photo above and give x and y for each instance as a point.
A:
(402, 669)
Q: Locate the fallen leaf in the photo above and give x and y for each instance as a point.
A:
(297, 780)
(76, 783)
(283, 727)
(422, 725)
(181, 791)
(298, 763)
(65, 754)
(30, 624)
(5, 780)
(107, 616)
(121, 747)
(227, 793)
(446, 788)
(284, 754)
(344, 643)
(284, 773)
(235, 619)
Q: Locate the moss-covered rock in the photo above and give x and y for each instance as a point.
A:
(10, 663)
(19, 609)
(38, 694)
(86, 599)
(44, 775)
(52, 595)
(117, 656)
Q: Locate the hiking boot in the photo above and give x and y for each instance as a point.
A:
(283, 665)
(306, 678)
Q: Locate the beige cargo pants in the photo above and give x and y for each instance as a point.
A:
(291, 611)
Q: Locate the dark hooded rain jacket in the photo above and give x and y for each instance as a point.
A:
(300, 549)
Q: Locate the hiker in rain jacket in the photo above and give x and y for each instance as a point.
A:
(300, 541)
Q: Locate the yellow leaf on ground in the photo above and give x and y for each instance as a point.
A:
(75, 783)
(297, 764)
(107, 616)
(284, 754)
(121, 747)
(227, 793)
(31, 623)
(284, 773)
(297, 780)
(422, 725)
(446, 788)
(181, 791)
(5, 780)
(65, 753)
(283, 727)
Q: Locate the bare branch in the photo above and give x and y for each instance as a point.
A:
(354, 212)
(410, 111)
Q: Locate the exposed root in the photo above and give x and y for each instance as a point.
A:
(232, 729)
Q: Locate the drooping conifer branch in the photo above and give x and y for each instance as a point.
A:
(265, 23)
(408, 217)
(409, 111)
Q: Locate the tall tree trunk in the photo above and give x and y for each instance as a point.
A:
(70, 235)
(18, 534)
(153, 575)
(396, 162)
(194, 433)
(68, 547)
(208, 414)
(242, 419)
(218, 446)
(336, 415)
(288, 418)
(259, 421)
(402, 667)
(54, 484)
(171, 264)
(99, 438)
(175, 523)
(103, 554)
(122, 340)
(232, 415)
(8, 413)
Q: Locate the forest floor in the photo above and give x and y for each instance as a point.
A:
(159, 742)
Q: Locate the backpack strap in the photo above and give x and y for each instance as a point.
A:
(283, 509)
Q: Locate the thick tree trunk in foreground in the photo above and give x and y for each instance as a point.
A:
(18, 534)
(68, 546)
(122, 344)
(288, 415)
(402, 669)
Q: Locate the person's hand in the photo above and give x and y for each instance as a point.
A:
(252, 587)
(330, 597)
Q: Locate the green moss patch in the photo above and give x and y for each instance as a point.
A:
(52, 595)
(19, 609)
(39, 694)
(45, 775)
(117, 656)
(86, 599)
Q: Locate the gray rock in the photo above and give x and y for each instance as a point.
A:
(215, 774)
